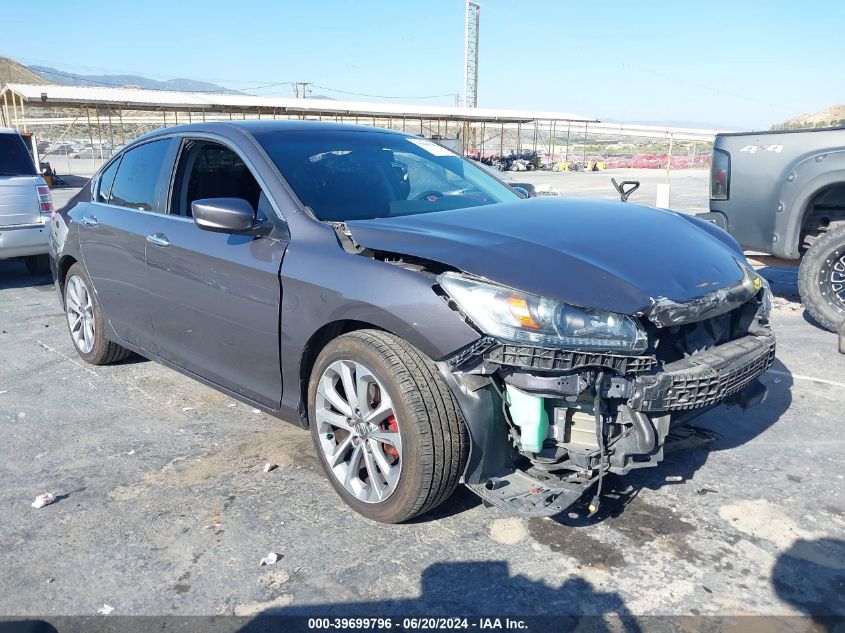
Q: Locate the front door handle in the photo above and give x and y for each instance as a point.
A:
(159, 239)
(89, 220)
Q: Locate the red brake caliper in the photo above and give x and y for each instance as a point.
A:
(391, 425)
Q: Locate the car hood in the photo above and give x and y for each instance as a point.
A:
(607, 255)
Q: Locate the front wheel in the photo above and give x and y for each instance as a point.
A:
(387, 429)
(821, 279)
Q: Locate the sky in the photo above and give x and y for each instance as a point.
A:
(740, 64)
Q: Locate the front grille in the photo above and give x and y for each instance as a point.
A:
(550, 359)
(706, 378)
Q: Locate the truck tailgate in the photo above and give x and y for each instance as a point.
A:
(18, 200)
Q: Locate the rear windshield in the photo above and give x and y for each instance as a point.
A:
(15, 160)
(352, 175)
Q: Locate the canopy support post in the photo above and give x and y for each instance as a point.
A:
(91, 138)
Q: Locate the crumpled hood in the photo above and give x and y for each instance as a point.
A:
(608, 255)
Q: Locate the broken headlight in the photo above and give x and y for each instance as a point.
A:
(522, 317)
(768, 298)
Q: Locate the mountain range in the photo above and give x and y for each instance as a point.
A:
(180, 85)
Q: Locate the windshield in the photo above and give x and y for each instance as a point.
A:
(352, 175)
(14, 157)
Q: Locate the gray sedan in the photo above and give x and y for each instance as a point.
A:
(426, 324)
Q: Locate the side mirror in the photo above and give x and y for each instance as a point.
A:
(224, 215)
(521, 192)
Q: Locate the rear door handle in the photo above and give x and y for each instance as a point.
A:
(159, 239)
(89, 220)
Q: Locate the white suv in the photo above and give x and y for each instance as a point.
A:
(25, 205)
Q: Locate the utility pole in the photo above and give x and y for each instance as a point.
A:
(301, 89)
(473, 13)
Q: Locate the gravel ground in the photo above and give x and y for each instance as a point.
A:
(163, 506)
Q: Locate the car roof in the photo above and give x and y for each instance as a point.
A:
(269, 125)
(8, 130)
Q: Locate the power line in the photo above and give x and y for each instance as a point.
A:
(361, 94)
(295, 86)
(718, 91)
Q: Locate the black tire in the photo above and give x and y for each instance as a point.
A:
(434, 438)
(37, 264)
(814, 283)
(104, 351)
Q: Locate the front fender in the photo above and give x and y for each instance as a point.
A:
(322, 285)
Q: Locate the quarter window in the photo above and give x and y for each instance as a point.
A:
(105, 182)
(138, 176)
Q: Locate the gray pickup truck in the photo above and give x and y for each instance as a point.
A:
(782, 193)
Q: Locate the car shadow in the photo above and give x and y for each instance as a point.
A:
(474, 590)
(783, 280)
(132, 359)
(462, 500)
(810, 575)
(13, 274)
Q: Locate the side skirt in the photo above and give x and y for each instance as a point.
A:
(283, 413)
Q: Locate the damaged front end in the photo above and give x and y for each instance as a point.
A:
(548, 421)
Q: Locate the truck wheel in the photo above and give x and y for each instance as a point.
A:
(387, 430)
(821, 279)
(842, 339)
(86, 322)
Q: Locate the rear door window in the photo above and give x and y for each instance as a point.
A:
(15, 160)
(137, 179)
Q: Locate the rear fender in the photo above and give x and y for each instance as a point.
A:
(802, 183)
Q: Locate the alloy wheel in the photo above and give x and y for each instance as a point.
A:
(80, 314)
(358, 431)
(832, 279)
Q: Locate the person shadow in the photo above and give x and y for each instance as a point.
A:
(477, 590)
(810, 575)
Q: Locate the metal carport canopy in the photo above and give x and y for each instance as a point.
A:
(155, 100)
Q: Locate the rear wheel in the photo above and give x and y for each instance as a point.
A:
(387, 430)
(821, 279)
(37, 264)
(86, 321)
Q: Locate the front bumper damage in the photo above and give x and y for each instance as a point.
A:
(632, 401)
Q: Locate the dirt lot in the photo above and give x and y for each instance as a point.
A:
(689, 186)
(164, 509)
